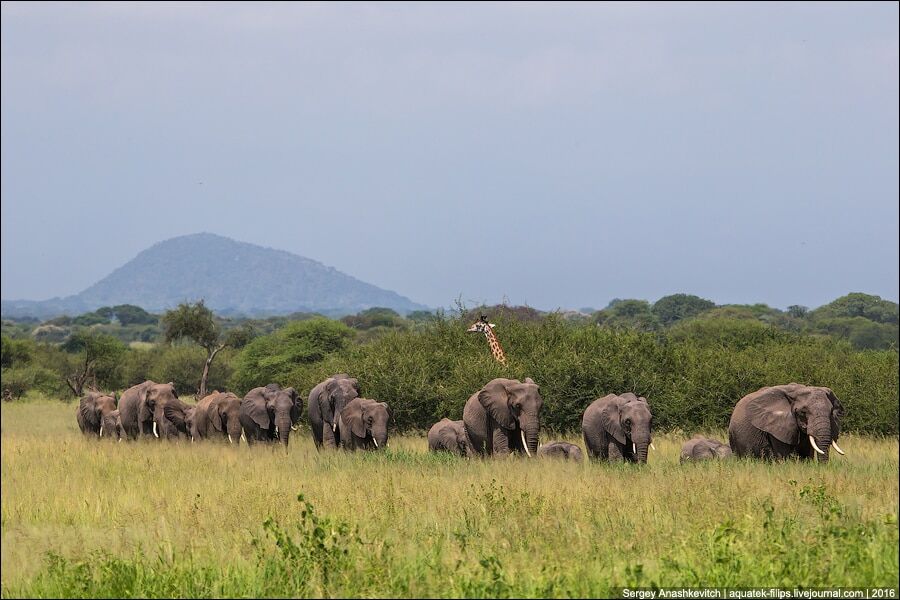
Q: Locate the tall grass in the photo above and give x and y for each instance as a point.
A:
(82, 518)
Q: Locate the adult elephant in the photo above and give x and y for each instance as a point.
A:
(269, 414)
(504, 417)
(218, 415)
(617, 428)
(786, 420)
(448, 436)
(137, 407)
(325, 403)
(95, 415)
(364, 423)
(701, 448)
(561, 450)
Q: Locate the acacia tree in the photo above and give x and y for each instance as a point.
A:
(96, 352)
(197, 323)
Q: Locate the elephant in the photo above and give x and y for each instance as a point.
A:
(325, 402)
(137, 407)
(170, 415)
(449, 436)
(786, 420)
(617, 428)
(269, 414)
(95, 415)
(504, 417)
(364, 424)
(563, 450)
(701, 448)
(218, 415)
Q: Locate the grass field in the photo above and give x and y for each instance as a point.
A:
(83, 518)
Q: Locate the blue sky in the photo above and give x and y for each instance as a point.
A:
(558, 155)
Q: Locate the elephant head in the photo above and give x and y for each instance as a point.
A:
(224, 415)
(189, 421)
(95, 413)
(162, 403)
(515, 407)
(339, 391)
(806, 417)
(274, 409)
(628, 420)
(367, 420)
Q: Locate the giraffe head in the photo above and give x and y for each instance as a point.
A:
(481, 326)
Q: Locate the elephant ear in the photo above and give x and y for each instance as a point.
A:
(144, 413)
(325, 407)
(175, 414)
(214, 410)
(610, 420)
(296, 405)
(353, 416)
(770, 411)
(255, 408)
(835, 403)
(88, 411)
(354, 383)
(495, 397)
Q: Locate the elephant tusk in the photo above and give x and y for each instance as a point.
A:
(230, 441)
(652, 446)
(295, 427)
(276, 430)
(154, 429)
(101, 432)
(334, 426)
(376, 442)
(634, 448)
(813, 442)
(524, 443)
(837, 448)
(192, 439)
(243, 437)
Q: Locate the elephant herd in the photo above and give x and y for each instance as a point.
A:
(501, 418)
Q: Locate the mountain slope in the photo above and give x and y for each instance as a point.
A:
(230, 276)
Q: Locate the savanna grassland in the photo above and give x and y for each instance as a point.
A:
(84, 518)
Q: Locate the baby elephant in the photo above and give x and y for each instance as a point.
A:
(701, 448)
(448, 436)
(563, 450)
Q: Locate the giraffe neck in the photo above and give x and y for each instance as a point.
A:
(494, 343)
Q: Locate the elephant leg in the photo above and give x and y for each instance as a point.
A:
(778, 449)
(501, 441)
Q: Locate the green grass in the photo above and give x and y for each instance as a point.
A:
(82, 518)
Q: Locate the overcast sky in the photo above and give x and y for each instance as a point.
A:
(549, 154)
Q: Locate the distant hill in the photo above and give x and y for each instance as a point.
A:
(232, 277)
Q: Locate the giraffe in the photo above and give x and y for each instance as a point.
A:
(482, 326)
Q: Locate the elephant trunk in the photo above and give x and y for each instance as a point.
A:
(234, 431)
(530, 427)
(283, 424)
(640, 441)
(820, 439)
(380, 437)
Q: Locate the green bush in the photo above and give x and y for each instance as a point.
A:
(692, 380)
(18, 380)
(272, 358)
